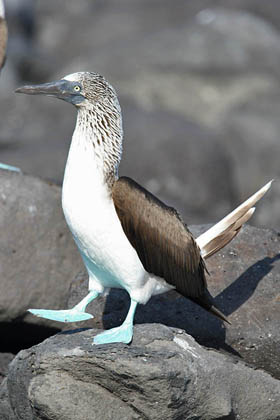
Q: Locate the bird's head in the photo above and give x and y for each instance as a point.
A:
(83, 89)
(99, 119)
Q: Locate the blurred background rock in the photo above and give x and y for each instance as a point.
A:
(198, 82)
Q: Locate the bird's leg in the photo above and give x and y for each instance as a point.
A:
(77, 313)
(121, 334)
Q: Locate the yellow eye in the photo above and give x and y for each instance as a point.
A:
(77, 88)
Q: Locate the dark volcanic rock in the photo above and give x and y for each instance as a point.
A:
(253, 127)
(6, 411)
(163, 374)
(245, 278)
(38, 257)
(182, 160)
(5, 359)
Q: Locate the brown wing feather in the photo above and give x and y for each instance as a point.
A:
(162, 241)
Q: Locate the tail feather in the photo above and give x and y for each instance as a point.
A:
(224, 231)
(215, 311)
(224, 238)
(206, 301)
(218, 243)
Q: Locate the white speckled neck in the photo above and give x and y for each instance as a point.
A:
(99, 128)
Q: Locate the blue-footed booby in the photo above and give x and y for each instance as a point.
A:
(126, 236)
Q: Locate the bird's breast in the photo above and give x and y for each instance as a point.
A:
(90, 214)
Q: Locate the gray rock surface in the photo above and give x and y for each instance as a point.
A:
(38, 257)
(6, 411)
(22, 56)
(244, 277)
(172, 163)
(164, 373)
(5, 359)
(207, 69)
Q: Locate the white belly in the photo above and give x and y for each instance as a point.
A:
(110, 259)
(90, 213)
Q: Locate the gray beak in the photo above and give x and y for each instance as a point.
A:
(52, 89)
(62, 89)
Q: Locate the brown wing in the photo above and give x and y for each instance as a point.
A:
(162, 241)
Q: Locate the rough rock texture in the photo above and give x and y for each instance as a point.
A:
(38, 257)
(163, 374)
(245, 278)
(6, 411)
(204, 72)
(5, 359)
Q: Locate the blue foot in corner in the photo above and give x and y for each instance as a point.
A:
(122, 334)
(9, 167)
(68, 315)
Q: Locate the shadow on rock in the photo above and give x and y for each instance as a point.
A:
(173, 310)
(245, 285)
(21, 335)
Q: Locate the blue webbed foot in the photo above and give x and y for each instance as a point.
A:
(9, 167)
(68, 315)
(122, 334)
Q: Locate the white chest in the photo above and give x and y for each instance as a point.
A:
(91, 216)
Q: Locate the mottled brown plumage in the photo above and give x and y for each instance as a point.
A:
(3, 40)
(162, 241)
